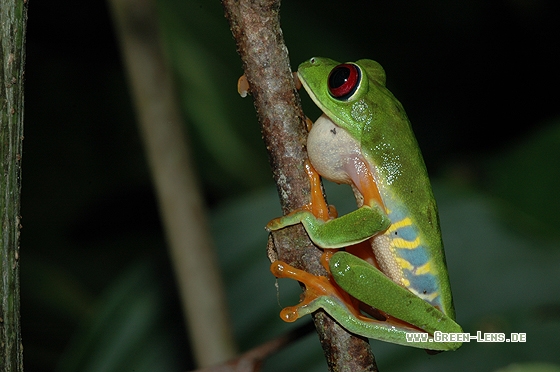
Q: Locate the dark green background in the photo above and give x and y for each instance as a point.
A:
(479, 80)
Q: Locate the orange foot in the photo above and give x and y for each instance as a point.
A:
(316, 287)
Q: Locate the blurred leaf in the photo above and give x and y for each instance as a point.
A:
(527, 178)
(530, 367)
(57, 290)
(127, 331)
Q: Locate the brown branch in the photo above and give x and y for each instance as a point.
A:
(256, 28)
(13, 21)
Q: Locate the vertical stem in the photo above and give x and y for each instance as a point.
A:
(13, 21)
(256, 28)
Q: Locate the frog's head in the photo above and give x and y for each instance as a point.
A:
(345, 92)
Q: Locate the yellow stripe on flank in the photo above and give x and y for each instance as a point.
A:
(405, 244)
(424, 269)
(397, 225)
(404, 263)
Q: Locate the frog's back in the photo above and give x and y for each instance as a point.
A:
(411, 250)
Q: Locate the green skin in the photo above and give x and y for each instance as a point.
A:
(378, 128)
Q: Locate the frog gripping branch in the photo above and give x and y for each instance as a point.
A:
(386, 258)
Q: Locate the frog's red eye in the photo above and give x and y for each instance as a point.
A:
(343, 81)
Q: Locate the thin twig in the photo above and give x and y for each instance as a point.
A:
(256, 28)
(252, 360)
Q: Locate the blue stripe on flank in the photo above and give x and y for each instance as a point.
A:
(417, 257)
(407, 233)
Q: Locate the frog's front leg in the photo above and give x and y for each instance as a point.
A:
(352, 228)
(357, 226)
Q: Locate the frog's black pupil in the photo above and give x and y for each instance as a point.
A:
(339, 76)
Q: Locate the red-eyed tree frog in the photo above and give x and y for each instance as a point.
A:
(386, 258)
